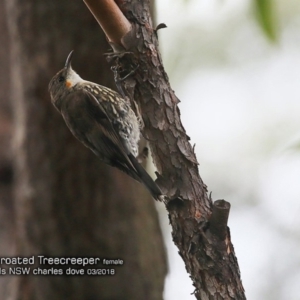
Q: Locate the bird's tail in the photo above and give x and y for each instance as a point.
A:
(145, 178)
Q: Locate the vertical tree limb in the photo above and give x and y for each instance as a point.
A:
(199, 225)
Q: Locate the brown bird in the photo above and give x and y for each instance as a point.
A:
(102, 120)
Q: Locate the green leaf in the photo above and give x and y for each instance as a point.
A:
(265, 12)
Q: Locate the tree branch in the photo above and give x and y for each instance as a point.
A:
(110, 18)
(199, 226)
(219, 218)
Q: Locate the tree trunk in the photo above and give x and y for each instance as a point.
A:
(67, 202)
(199, 225)
(6, 174)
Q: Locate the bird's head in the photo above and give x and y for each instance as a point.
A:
(63, 82)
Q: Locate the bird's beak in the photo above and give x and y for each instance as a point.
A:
(68, 61)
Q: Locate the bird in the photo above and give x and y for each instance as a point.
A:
(102, 120)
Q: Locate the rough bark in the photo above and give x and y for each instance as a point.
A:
(67, 202)
(199, 225)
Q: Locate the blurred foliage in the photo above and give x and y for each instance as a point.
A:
(215, 29)
(265, 12)
(265, 15)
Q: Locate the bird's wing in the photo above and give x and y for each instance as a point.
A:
(89, 122)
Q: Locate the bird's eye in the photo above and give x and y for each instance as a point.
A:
(61, 78)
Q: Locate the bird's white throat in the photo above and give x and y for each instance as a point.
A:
(73, 79)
